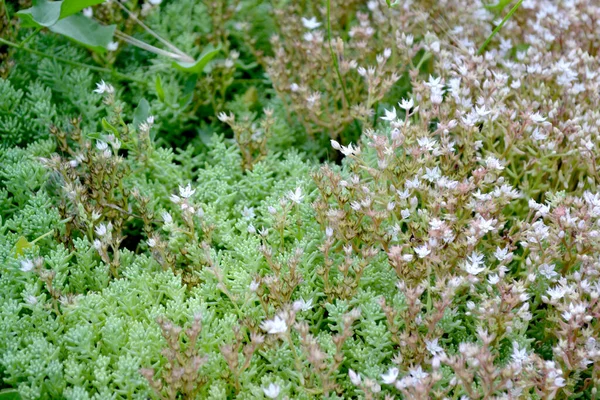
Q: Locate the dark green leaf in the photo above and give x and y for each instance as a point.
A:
(141, 113)
(200, 64)
(85, 31)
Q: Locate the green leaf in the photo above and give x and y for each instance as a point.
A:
(9, 394)
(197, 67)
(141, 113)
(20, 247)
(85, 31)
(159, 89)
(70, 7)
(498, 6)
(109, 128)
(43, 13)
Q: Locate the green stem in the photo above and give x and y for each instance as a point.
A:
(497, 29)
(333, 56)
(28, 38)
(43, 236)
(114, 73)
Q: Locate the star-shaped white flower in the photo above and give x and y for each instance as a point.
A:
(274, 326)
(311, 23)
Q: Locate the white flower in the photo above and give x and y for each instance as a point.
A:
(537, 118)
(272, 391)
(175, 199)
(519, 356)
(97, 244)
(112, 46)
(548, 271)
(223, 117)
(166, 216)
(422, 251)
(475, 263)
(100, 145)
(405, 213)
(186, 192)
(406, 104)
(354, 377)
(390, 115)
(274, 326)
(329, 231)
(557, 292)
(493, 279)
(433, 347)
(254, 285)
(311, 23)
(502, 254)
(481, 111)
(296, 196)
(418, 374)
(151, 242)
(336, 145)
(26, 265)
(102, 229)
(248, 213)
(103, 87)
(302, 305)
(251, 229)
(390, 377)
(155, 2)
(294, 87)
(88, 12)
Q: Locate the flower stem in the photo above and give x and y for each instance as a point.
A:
(497, 29)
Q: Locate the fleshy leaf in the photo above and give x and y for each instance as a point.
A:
(198, 66)
(85, 31)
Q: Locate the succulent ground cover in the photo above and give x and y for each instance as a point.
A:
(299, 199)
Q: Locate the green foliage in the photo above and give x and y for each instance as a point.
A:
(265, 221)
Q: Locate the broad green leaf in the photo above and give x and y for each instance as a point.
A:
(70, 7)
(200, 64)
(141, 113)
(159, 89)
(20, 247)
(43, 13)
(85, 31)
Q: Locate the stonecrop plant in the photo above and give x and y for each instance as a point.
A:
(316, 199)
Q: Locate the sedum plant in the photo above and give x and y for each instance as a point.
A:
(165, 238)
